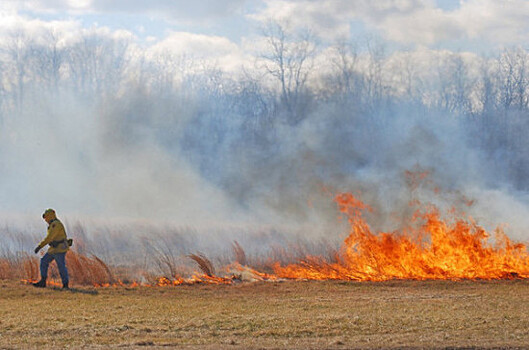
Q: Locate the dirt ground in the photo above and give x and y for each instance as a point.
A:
(273, 315)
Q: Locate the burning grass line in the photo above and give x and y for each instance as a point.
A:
(435, 249)
(430, 248)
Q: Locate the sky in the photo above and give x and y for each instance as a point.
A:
(228, 30)
(205, 26)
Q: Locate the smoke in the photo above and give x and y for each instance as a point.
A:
(232, 158)
(100, 161)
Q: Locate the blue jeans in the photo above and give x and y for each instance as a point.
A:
(61, 264)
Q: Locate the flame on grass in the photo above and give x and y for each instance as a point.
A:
(434, 249)
(92, 271)
(429, 247)
(195, 279)
(234, 272)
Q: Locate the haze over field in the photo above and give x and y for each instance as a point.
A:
(252, 113)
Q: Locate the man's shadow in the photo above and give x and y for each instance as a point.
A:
(76, 290)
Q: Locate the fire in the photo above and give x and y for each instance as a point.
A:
(51, 283)
(430, 247)
(234, 272)
(195, 279)
(437, 249)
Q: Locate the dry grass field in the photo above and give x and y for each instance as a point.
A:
(269, 315)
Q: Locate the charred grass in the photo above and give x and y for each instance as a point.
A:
(338, 315)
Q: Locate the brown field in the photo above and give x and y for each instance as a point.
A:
(269, 315)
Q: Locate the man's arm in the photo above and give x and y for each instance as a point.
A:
(47, 240)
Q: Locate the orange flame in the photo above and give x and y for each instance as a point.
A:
(195, 279)
(436, 250)
(51, 283)
(431, 248)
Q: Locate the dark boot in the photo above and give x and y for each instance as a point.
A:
(65, 286)
(40, 284)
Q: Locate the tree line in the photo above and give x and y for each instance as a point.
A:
(253, 118)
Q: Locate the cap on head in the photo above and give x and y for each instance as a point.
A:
(49, 214)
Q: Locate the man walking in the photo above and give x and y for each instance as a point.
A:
(59, 245)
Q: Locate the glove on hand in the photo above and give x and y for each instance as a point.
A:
(37, 250)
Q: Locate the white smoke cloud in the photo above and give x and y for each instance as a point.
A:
(81, 160)
(72, 156)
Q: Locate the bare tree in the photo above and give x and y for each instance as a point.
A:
(487, 89)
(376, 91)
(347, 81)
(54, 59)
(454, 85)
(45, 61)
(289, 60)
(96, 64)
(17, 56)
(514, 80)
(3, 91)
(409, 78)
(165, 72)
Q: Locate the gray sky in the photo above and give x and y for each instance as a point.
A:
(464, 25)
(227, 31)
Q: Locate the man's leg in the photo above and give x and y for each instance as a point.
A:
(63, 271)
(44, 264)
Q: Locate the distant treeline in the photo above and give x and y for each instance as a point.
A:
(299, 108)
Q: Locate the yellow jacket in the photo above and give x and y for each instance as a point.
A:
(56, 232)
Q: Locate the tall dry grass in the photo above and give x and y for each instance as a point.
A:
(240, 254)
(83, 269)
(21, 266)
(91, 270)
(134, 253)
(204, 263)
